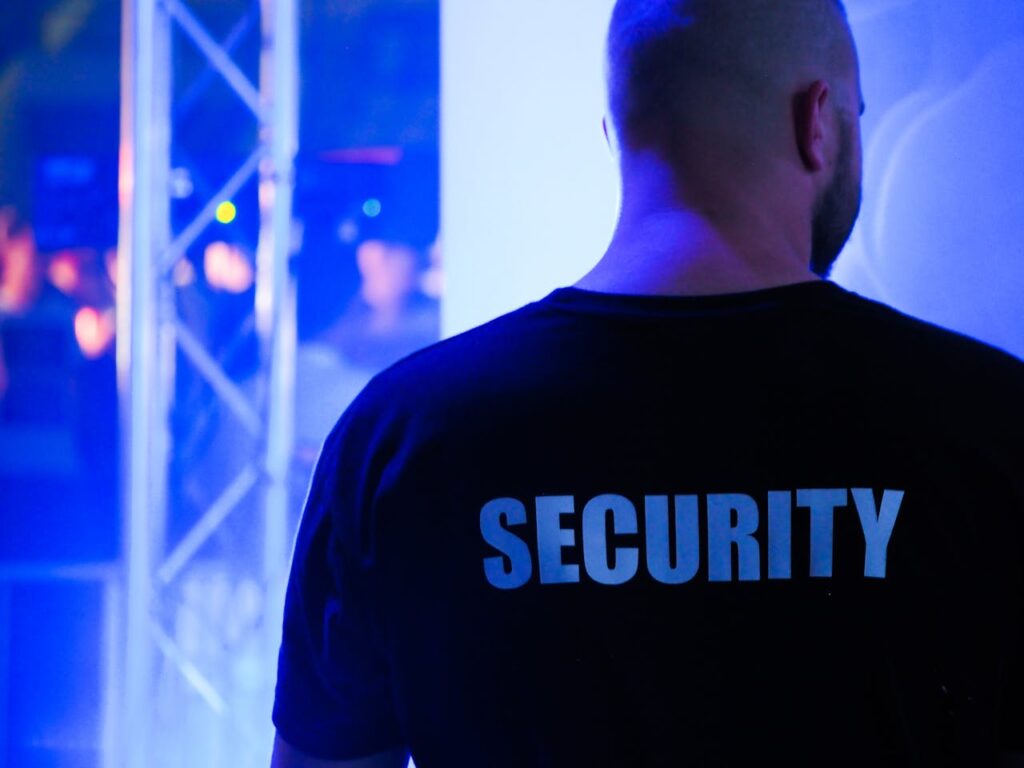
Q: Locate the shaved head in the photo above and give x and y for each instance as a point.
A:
(712, 87)
(671, 63)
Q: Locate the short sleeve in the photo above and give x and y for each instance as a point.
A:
(333, 698)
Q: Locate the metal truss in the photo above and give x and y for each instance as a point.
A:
(152, 337)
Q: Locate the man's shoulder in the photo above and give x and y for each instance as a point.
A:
(928, 347)
(472, 363)
(515, 353)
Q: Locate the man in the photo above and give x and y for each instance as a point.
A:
(704, 508)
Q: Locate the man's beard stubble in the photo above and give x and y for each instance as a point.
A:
(836, 211)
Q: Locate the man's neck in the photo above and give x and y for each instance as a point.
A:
(670, 254)
(662, 247)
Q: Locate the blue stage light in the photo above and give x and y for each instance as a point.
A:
(372, 208)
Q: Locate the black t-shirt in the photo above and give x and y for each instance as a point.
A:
(776, 527)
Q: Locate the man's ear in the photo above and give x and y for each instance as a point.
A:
(811, 118)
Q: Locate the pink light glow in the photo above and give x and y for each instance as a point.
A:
(94, 331)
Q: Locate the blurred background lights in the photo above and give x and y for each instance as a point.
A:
(64, 272)
(181, 183)
(348, 231)
(227, 268)
(94, 331)
(110, 265)
(226, 212)
(372, 207)
(184, 273)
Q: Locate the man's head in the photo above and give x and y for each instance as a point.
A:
(749, 93)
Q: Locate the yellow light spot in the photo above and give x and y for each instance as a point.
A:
(226, 212)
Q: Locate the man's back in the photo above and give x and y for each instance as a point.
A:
(631, 530)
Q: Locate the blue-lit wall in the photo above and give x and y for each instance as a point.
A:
(528, 188)
(942, 231)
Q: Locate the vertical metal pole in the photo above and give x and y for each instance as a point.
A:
(144, 234)
(275, 289)
(113, 669)
(147, 321)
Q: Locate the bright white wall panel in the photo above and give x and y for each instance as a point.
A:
(529, 190)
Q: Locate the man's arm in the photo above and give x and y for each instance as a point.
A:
(286, 756)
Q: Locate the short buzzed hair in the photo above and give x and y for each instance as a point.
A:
(656, 52)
